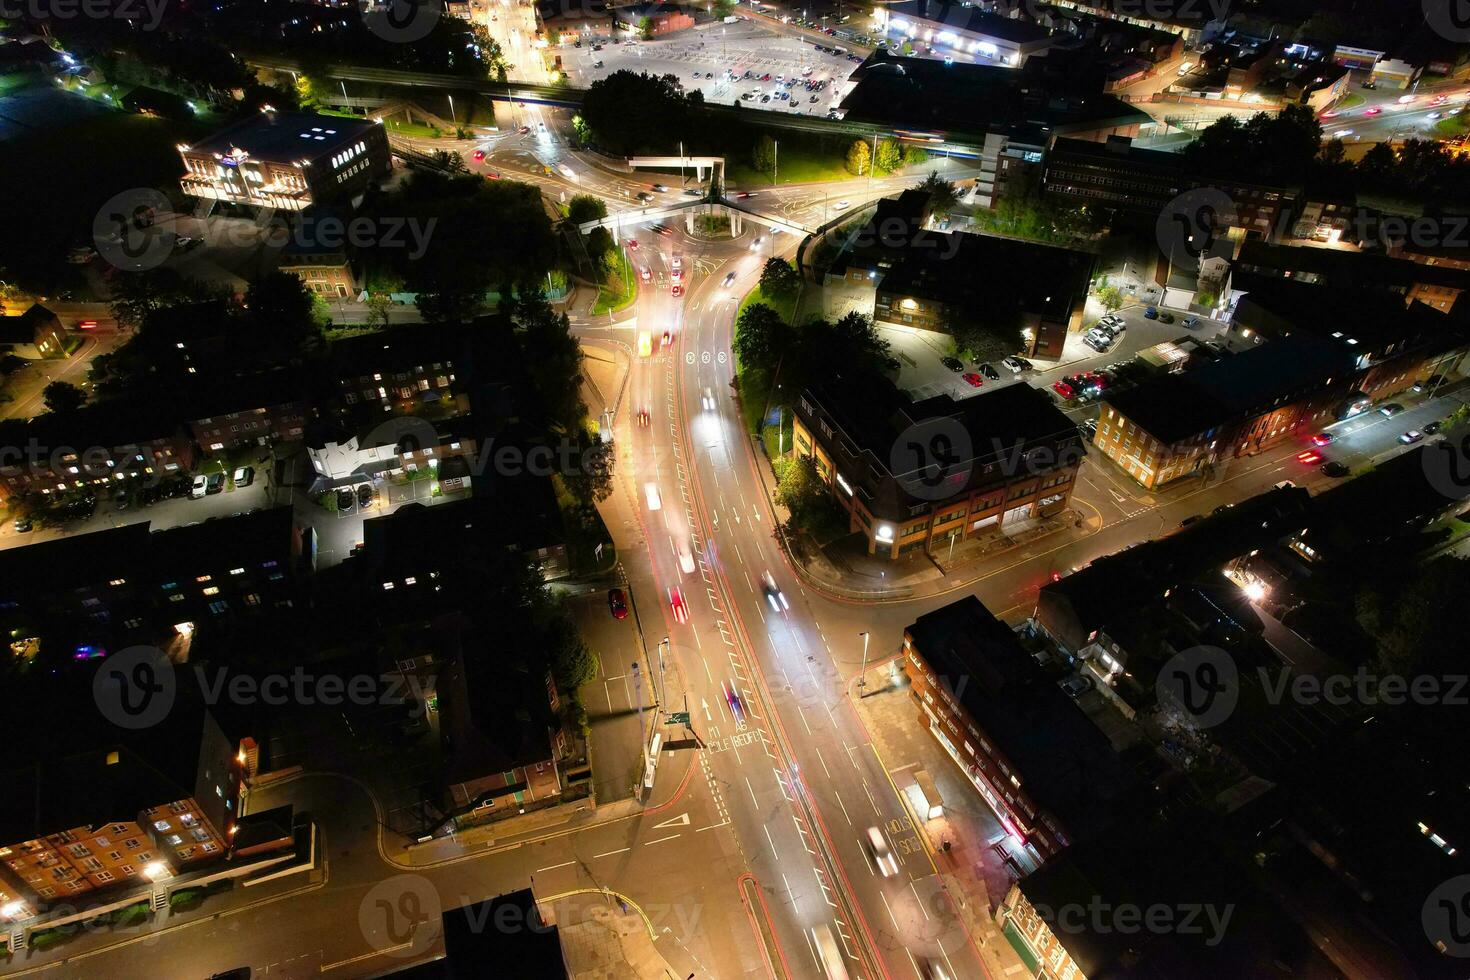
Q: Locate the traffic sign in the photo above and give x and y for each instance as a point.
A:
(678, 718)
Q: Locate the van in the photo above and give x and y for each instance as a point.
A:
(1185, 68)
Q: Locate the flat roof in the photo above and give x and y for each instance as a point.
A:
(966, 268)
(1346, 267)
(285, 136)
(1065, 762)
(965, 17)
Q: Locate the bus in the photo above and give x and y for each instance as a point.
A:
(829, 953)
(645, 343)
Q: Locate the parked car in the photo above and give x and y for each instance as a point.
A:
(1335, 468)
(989, 372)
(364, 494)
(953, 363)
(1152, 313)
(199, 487)
(1065, 390)
(244, 476)
(1411, 437)
(972, 379)
(617, 603)
(22, 525)
(345, 499)
(1077, 685)
(1165, 316)
(1430, 428)
(1017, 364)
(1390, 410)
(1190, 321)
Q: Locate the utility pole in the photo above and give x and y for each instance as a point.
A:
(873, 161)
(643, 742)
(662, 684)
(775, 158)
(863, 673)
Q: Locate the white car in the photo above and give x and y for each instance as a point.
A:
(686, 560)
(774, 595)
(199, 487)
(882, 856)
(841, 205)
(650, 492)
(756, 243)
(1014, 364)
(708, 400)
(729, 279)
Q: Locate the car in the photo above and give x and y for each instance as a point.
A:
(492, 175)
(676, 603)
(1099, 342)
(664, 230)
(645, 197)
(972, 379)
(766, 77)
(1372, 111)
(882, 855)
(617, 603)
(841, 205)
(1088, 428)
(953, 363)
(765, 98)
(1430, 428)
(478, 155)
(524, 130)
(729, 280)
(87, 325)
(1099, 380)
(693, 192)
(1390, 410)
(1065, 390)
(345, 499)
(1016, 364)
(364, 494)
(743, 195)
(1166, 317)
(1309, 457)
(812, 99)
(1190, 321)
(23, 525)
(1411, 437)
(243, 477)
(989, 372)
(1110, 318)
(1335, 468)
(676, 290)
(686, 560)
(668, 338)
(1077, 685)
(1151, 313)
(662, 188)
(774, 596)
(644, 274)
(238, 973)
(633, 244)
(1323, 439)
(651, 494)
(1369, 84)
(199, 487)
(707, 400)
(677, 264)
(642, 417)
(1329, 114)
(755, 243)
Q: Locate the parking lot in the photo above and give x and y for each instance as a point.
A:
(710, 52)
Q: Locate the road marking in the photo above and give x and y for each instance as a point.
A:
(772, 842)
(366, 956)
(650, 843)
(915, 890)
(841, 804)
(892, 918)
(682, 820)
(553, 867)
(623, 850)
(713, 826)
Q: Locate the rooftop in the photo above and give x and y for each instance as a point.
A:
(966, 17)
(285, 136)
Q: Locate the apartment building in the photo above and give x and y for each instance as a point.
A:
(1434, 285)
(258, 410)
(1046, 771)
(111, 445)
(1019, 467)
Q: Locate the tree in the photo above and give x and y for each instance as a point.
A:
(779, 279)
(913, 154)
(645, 27)
(378, 307)
(721, 9)
(890, 156)
(554, 361)
(584, 207)
(282, 317)
(763, 154)
(991, 331)
(1111, 297)
(859, 158)
(761, 337)
(60, 396)
(137, 294)
(943, 195)
(581, 130)
(590, 481)
(801, 490)
(630, 112)
(1413, 615)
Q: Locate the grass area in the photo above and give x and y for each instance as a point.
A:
(402, 128)
(611, 298)
(793, 166)
(785, 307)
(1352, 101)
(1451, 127)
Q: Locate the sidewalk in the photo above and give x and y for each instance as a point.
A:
(613, 940)
(974, 870)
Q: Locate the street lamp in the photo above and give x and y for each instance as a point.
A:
(863, 672)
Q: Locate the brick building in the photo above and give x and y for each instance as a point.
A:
(97, 446)
(1016, 461)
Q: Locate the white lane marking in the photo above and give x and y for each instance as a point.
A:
(564, 864)
(650, 843)
(772, 842)
(604, 854)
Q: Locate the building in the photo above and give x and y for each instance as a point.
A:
(403, 370)
(287, 161)
(398, 447)
(1437, 286)
(661, 18)
(961, 32)
(93, 447)
(324, 269)
(938, 280)
(35, 334)
(1113, 174)
(532, 944)
(1018, 468)
(1047, 772)
(258, 410)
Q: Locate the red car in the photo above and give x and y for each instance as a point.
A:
(524, 130)
(618, 603)
(1309, 457)
(1438, 100)
(677, 289)
(633, 243)
(479, 155)
(676, 602)
(1372, 111)
(1063, 389)
(87, 325)
(1329, 114)
(1323, 439)
(973, 380)
(668, 338)
(492, 175)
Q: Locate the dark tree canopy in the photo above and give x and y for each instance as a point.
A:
(633, 111)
